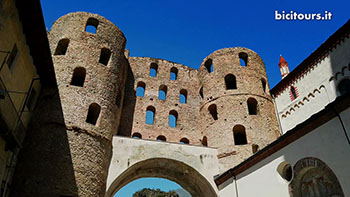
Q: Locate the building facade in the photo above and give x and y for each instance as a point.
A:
(110, 118)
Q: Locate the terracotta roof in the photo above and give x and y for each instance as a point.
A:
(282, 62)
(318, 55)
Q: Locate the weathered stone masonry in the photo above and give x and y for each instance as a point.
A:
(227, 105)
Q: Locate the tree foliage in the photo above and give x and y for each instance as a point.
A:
(146, 192)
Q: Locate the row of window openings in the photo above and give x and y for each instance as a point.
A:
(251, 103)
(153, 71)
(161, 138)
(141, 86)
(62, 47)
(243, 60)
(78, 79)
(230, 82)
(150, 116)
(239, 135)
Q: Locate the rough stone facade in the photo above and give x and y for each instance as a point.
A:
(96, 100)
(90, 144)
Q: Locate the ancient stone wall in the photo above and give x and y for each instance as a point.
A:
(134, 114)
(237, 112)
(91, 71)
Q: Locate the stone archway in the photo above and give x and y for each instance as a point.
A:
(312, 177)
(179, 172)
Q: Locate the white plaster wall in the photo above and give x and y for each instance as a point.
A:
(315, 88)
(128, 151)
(327, 143)
(228, 188)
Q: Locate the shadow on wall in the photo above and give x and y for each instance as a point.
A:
(44, 166)
(129, 103)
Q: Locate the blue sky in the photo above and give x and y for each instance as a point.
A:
(187, 31)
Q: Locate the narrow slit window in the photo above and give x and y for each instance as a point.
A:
(252, 106)
(173, 115)
(105, 56)
(161, 138)
(153, 70)
(201, 93)
(150, 113)
(140, 90)
(78, 78)
(93, 113)
(263, 83)
(239, 135)
(184, 141)
(293, 93)
(209, 65)
(162, 92)
(173, 73)
(205, 141)
(137, 136)
(243, 59)
(183, 96)
(230, 81)
(62, 47)
(213, 111)
(91, 25)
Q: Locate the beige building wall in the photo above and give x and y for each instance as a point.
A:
(18, 80)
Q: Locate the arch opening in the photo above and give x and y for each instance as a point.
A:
(230, 81)
(105, 56)
(183, 174)
(183, 96)
(243, 59)
(184, 141)
(91, 25)
(252, 106)
(161, 138)
(140, 90)
(173, 115)
(209, 65)
(239, 135)
(150, 114)
(149, 185)
(78, 77)
(213, 111)
(62, 47)
(173, 73)
(93, 113)
(153, 70)
(205, 141)
(162, 92)
(136, 135)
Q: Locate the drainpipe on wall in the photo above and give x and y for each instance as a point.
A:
(276, 112)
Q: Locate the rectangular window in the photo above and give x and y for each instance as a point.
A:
(11, 60)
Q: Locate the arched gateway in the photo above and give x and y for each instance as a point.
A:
(192, 167)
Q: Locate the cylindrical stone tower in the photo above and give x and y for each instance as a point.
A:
(237, 111)
(90, 66)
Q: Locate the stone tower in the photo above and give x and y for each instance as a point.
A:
(91, 71)
(237, 112)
